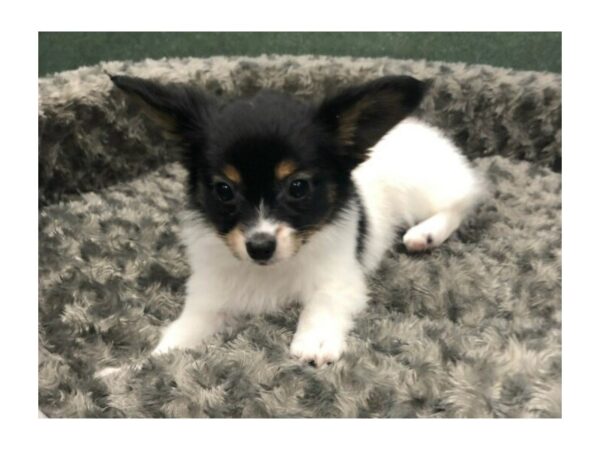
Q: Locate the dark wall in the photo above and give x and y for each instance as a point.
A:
(530, 51)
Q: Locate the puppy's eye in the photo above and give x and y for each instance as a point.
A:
(298, 189)
(224, 191)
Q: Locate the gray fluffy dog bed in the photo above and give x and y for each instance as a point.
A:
(470, 329)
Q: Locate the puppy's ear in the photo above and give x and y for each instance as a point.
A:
(179, 110)
(359, 116)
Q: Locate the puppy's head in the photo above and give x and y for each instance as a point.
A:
(267, 172)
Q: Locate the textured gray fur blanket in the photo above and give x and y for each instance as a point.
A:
(470, 329)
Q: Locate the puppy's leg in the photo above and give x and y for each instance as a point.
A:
(189, 330)
(433, 231)
(327, 317)
(199, 319)
(201, 316)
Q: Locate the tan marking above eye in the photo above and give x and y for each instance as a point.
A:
(285, 168)
(232, 173)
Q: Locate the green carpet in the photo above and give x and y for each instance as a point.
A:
(525, 51)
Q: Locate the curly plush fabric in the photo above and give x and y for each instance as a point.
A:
(470, 329)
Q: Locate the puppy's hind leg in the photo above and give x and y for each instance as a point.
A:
(466, 190)
(433, 231)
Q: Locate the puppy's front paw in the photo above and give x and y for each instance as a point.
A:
(113, 371)
(318, 346)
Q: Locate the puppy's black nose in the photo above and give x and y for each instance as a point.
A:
(261, 246)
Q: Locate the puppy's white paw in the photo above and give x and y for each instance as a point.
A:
(113, 371)
(318, 346)
(419, 238)
(433, 231)
(108, 371)
(425, 235)
(164, 346)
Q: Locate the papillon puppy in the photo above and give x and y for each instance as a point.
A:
(296, 201)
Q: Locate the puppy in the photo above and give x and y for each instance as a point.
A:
(292, 201)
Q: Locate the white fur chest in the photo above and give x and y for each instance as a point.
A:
(224, 283)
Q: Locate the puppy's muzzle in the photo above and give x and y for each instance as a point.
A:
(261, 247)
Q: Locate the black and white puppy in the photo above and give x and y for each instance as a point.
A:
(291, 201)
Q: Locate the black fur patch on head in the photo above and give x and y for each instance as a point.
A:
(255, 136)
(272, 153)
